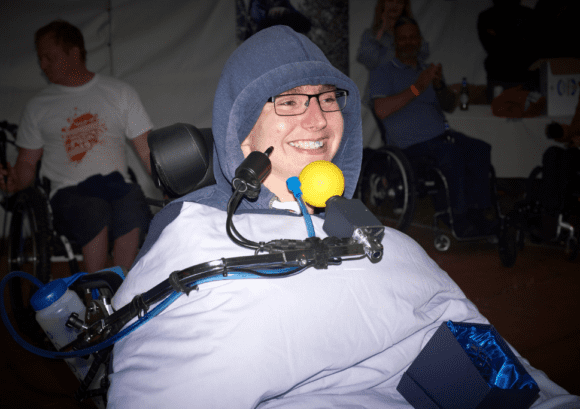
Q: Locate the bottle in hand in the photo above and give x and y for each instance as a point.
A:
(464, 95)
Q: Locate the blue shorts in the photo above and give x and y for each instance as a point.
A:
(80, 212)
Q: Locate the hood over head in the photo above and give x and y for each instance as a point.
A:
(270, 62)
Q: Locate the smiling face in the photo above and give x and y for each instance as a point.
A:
(297, 140)
(407, 42)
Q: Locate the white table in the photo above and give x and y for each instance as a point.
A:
(517, 145)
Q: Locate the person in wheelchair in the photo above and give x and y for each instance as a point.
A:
(78, 127)
(409, 98)
(335, 337)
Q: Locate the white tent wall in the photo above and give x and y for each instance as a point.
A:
(173, 52)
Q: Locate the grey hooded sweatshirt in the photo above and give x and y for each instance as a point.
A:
(272, 61)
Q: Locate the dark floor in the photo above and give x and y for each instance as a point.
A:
(534, 305)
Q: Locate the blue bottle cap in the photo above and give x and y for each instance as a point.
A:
(48, 294)
(51, 292)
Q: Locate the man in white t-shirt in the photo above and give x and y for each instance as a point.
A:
(78, 127)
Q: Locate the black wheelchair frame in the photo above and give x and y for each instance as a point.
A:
(34, 239)
(34, 242)
(529, 218)
(29, 241)
(387, 174)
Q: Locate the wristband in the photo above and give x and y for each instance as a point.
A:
(415, 90)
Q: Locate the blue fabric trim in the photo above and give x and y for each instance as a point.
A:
(491, 356)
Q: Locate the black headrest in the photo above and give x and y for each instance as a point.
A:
(181, 158)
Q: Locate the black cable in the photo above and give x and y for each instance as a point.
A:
(291, 255)
(120, 318)
(297, 270)
(232, 206)
(230, 228)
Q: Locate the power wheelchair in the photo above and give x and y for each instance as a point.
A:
(390, 185)
(182, 162)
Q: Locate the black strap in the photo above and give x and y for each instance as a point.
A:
(139, 306)
(178, 286)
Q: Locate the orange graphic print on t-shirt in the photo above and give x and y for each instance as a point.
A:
(81, 135)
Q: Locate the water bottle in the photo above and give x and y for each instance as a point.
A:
(54, 303)
(464, 95)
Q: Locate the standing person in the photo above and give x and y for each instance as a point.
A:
(78, 126)
(409, 98)
(377, 45)
(330, 338)
(557, 28)
(508, 35)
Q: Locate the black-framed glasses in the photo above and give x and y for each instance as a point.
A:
(297, 104)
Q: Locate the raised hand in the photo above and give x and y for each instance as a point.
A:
(428, 76)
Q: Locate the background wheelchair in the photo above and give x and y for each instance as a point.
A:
(390, 185)
(33, 239)
(34, 242)
(181, 158)
(29, 238)
(532, 218)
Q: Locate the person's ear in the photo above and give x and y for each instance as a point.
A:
(247, 146)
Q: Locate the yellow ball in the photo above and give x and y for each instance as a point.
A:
(320, 181)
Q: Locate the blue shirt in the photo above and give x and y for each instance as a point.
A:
(372, 52)
(421, 119)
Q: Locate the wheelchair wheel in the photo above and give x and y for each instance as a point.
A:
(28, 251)
(29, 235)
(387, 186)
(572, 247)
(442, 242)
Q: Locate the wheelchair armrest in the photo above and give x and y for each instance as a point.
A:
(100, 279)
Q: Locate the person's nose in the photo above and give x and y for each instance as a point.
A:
(314, 118)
